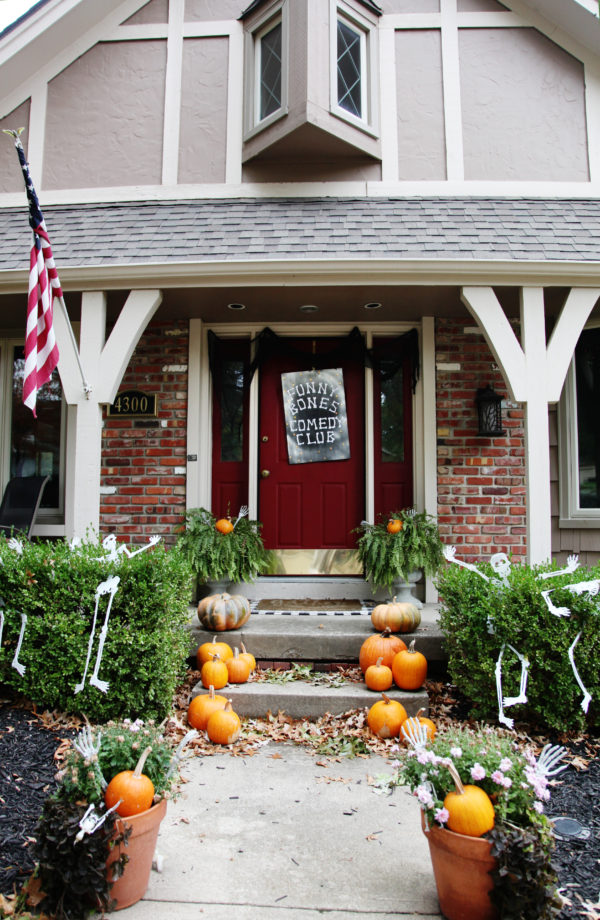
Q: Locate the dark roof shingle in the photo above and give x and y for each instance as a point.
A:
(313, 228)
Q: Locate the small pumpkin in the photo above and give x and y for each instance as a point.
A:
(224, 525)
(202, 706)
(385, 717)
(219, 612)
(224, 725)
(470, 809)
(378, 676)
(380, 646)
(415, 722)
(214, 672)
(399, 616)
(133, 788)
(208, 650)
(394, 525)
(238, 668)
(409, 668)
(248, 656)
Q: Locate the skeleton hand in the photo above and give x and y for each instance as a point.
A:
(572, 564)
(551, 755)
(556, 611)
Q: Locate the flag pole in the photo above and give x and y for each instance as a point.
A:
(16, 135)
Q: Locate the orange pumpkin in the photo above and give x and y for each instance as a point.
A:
(223, 611)
(248, 656)
(202, 706)
(381, 646)
(224, 525)
(133, 788)
(214, 672)
(414, 722)
(398, 616)
(409, 668)
(394, 525)
(470, 808)
(224, 725)
(378, 676)
(208, 650)
(385, 717)
(238, 668)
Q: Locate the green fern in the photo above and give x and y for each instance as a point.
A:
(387, 557)
(238, 556)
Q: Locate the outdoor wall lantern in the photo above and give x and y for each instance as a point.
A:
(489, 412)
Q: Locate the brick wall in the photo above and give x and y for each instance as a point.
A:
(144, 460)
(481, 481)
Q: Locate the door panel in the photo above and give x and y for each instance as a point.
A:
(309, 505)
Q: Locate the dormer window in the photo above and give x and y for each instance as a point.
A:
(353, 69)
(266, 68)
(350, 68)
(268, 58)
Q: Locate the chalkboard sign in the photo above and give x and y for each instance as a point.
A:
(316, 422)
(131, 403)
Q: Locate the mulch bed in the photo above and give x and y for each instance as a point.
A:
(31, 744)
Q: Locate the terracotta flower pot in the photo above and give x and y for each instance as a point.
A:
(131, 886)
(461, 866)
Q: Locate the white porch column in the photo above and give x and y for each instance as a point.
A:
(104, 365)
(534, 375)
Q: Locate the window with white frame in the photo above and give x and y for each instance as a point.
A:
(579, 428)
(350, 58)
(31, 446)
(266, 70)
(352, 67)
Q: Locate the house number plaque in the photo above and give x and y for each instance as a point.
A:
(316, 421)
(133, 403)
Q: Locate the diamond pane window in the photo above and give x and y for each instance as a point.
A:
(349, 78)
(270, 72)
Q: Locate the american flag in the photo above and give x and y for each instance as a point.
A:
(41, 350)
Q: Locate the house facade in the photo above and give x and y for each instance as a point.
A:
(297, 238)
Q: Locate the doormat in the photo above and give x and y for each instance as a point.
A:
(279, 603)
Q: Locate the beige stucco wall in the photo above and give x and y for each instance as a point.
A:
(203, 132)
(523, 107)
(155, 11)
(480, 6)
(11, 176)
(419, 91)
(410, 6)
(109, 106)
(214, 9)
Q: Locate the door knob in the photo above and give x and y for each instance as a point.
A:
(265, 473)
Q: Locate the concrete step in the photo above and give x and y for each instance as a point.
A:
(287, 636)
(303, 700)
(279, 638)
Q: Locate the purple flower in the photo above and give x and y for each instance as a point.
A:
(505, 764)
(424, 796)
(442, 815)
(477, 772)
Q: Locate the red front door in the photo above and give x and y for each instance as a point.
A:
(309, 505)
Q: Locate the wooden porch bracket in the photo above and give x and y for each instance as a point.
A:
(534, 373)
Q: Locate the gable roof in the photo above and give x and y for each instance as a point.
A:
(274, 229)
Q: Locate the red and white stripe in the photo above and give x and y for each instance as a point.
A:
(41, 350)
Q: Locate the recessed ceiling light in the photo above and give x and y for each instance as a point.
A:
(373, 305)
(236, 306)
(308, 308)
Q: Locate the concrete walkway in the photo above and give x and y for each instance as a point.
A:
(289, 835)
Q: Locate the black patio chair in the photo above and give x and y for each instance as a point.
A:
(20, 503)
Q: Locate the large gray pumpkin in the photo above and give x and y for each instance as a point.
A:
(219, 612)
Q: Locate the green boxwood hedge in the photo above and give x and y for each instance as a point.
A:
(146, 644)
(519, 616)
